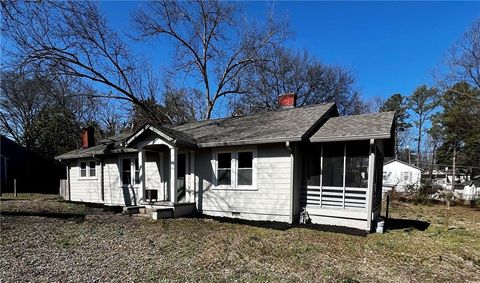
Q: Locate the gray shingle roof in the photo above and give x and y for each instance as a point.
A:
(356, 127)
(266, 127)
(109, 145)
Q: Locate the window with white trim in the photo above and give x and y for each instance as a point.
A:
(130, 171)
(245, 168)
(88, 169)
(224, 169)
(235, 169)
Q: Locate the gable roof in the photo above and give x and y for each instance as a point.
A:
(281, 125)
(356, 127)
(403, 162)
(169, 134)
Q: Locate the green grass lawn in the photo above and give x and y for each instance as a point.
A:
(106, 246)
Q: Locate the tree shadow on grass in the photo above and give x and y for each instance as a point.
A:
(282, 226)
(72, 216)
(406, 224)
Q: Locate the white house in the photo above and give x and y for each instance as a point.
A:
(265, 166)
(399, 175)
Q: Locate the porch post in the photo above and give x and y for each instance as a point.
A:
(173, 174)
(191, 191)
(371, 176)
(141, 164)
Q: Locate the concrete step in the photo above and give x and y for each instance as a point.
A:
(132, 209)
(162, 212)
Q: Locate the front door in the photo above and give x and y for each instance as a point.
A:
(181, 172)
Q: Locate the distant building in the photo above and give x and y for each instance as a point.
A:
(33, 173)
(399, 175)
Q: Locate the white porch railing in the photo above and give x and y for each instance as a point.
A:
(335, 197)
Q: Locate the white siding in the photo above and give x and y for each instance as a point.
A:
(394, 172)
(270, 200)
(84, 189)
(152, 169)
(89, 190)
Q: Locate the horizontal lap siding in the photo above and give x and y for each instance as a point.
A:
(84, 190)
(270, 200)
(152, 168)
(115, 194)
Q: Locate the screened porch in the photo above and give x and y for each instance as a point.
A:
(341, 180)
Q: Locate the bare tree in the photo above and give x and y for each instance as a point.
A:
(463, 61)
(304, 75)
(213, 47)
(72, 39)
(21, 102)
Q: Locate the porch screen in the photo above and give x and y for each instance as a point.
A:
(332, 174)
(356, 174)
(313, 166)
(224, 170)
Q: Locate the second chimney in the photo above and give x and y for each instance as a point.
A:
(287, 100)
(88, 139)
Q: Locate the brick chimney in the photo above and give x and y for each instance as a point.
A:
(287, 100)
(88, 139)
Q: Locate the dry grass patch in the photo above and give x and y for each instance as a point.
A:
(108, 246)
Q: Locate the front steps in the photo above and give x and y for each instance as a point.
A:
(161, 210)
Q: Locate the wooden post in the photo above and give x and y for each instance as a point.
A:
(447, 214)
(173, 174)
(15, 187)
(388, 205)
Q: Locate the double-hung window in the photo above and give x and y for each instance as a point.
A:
(235, 169)
(130, 171)
(245, 168)
(88, 169)
(224, 169)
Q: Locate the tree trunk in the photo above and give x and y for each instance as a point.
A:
(419, 142)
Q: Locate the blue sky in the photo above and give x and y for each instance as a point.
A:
(392, 47)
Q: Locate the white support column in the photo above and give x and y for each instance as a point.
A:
(173, 174)
(371, 173)
(191, 195)
(141, 164)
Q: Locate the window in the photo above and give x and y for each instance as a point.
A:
(83, 169)
(407, 176)
(126, 171)
(224, 169)
(137, 172)
(88, 169)
(333, 165)
(130, 171)
(245, 168)
(235, 169)
(356, 171)
(91, 166)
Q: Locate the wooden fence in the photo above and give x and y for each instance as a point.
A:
(64, 190)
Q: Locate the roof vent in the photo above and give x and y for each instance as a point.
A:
(287, 100)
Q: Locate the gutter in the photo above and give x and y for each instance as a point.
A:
(292, 163)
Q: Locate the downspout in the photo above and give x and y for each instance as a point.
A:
(68, 181)
(292, 162)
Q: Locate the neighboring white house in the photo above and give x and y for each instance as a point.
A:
(399, 175)
(265, 166)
